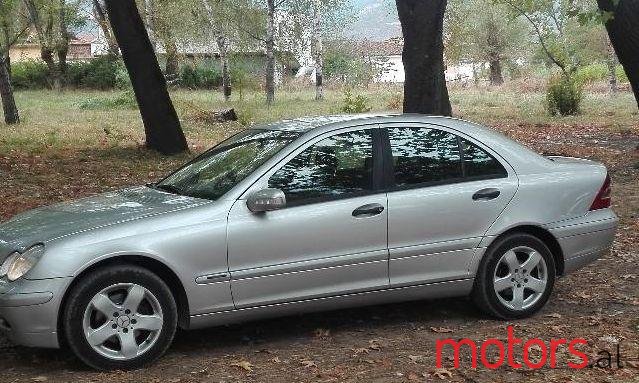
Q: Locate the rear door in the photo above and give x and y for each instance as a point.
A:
(445, 191)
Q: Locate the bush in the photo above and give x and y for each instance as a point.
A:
(195, 77)
(354, 105)
(125, 100)
(29, 75)
(564, 95)
(599, 72)
(100, 73)
(395, 102)
(592, 73)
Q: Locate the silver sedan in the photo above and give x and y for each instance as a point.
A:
(297, 216)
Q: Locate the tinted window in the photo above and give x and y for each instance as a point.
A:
(478, 163)
(424, 155)
(337, 166)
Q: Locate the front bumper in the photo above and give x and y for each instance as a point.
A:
(586, 239)
(29, 311)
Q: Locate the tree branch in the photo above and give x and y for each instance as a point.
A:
(540, 35)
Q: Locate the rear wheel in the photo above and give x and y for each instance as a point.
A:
(515, 278)
(120, 317)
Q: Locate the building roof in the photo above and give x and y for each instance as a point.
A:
(390, 47)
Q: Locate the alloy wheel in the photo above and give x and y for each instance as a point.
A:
(123, 321)
(521, 278)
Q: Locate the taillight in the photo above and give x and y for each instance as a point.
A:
(603, 200)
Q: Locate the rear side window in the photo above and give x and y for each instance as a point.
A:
(479, 164)
(422, 155)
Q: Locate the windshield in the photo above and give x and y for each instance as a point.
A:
(217, 171)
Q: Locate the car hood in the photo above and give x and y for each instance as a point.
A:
(52, 222)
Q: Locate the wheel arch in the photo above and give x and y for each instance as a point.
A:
(153, 265)
(545, 236)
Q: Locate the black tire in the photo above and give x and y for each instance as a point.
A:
(90, 285)
(484, 294)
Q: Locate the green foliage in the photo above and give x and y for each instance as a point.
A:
(122, 79)
(103, 73)
(345, 66)
(598, 72)
(354, 104)
(564, 95)
(100, 73)
(124, 100)
(200, 77)
(29, 75)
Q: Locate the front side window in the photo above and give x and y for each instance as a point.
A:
(336, 167)
(479, 164)
(213, 174)
(422, 155)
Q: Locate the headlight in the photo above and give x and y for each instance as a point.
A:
(17, 265)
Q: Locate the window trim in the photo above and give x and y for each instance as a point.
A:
(391, 186)
(378, 185)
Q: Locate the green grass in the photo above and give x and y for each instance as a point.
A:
(84, 119)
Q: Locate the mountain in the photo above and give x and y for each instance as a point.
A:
(375, 20)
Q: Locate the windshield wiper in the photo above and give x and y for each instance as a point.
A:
(168, 188)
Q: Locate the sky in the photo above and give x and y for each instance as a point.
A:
(376, 20)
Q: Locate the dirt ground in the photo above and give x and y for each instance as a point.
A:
(392, 343)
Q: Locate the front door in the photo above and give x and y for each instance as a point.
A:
(331, 239)
(445, 192)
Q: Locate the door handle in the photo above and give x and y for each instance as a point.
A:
(486, 194)
(370, 210)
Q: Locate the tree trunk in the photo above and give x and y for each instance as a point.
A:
(611, 61)
(222, 45)
(54, 72)
(100, 16)
(172, 58)
(149, 19)
(318, 47)
(624, 35)
(11, 115)
(270, 54)
(425, 88)
(496, 76)
(223, 48)
(161, 123)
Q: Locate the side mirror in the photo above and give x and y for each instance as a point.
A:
(266, 200)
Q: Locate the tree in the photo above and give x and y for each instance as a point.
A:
(551, 22)
(161, 123)
(480, 32)
(12, 27)
(53, 21)
(318, 48)
(425, 88)
(621, 22)
(100, 16)
(217, 32)
(270, 51)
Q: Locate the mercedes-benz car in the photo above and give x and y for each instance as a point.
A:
(298, 216)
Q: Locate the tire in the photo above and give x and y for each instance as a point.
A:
(141, 311)
(504, 287)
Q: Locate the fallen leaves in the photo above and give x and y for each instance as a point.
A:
(442, 374)
(441, 330)
(244, 365)
(308, 364)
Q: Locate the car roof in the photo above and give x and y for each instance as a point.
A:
(327, 123)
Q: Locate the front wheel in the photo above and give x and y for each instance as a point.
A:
(120, 318)
(515, 278)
